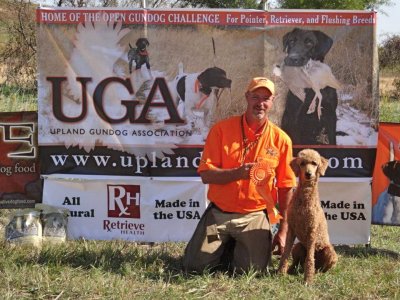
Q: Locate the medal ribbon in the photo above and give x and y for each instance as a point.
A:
(259, 175)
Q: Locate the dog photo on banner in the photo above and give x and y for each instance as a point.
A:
(386, 180)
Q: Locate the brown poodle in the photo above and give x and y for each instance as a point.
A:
(307, 221)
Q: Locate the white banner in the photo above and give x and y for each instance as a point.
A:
(150, 210)
(347, 206)
(127, 208)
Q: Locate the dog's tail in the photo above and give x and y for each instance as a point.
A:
(215, 54)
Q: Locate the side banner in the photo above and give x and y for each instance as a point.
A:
(20, 184)
(386, 183)
(137, 209)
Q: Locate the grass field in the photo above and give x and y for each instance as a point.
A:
(121, 270)
(389, 104)
(14, 99)
(389, 110)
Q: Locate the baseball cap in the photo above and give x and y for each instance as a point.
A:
(258, 82)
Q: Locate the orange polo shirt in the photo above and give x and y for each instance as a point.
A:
(224, 150)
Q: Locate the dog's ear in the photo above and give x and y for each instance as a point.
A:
(323, 46)
(391, 169)
(323, 166)
(396, 172)
(386, 170)
(286, 38)
(214, 77)
(294, 164)
(285, 41)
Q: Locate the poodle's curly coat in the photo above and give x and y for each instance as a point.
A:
(307, 221)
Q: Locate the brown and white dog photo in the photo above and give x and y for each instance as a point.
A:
(197, 94)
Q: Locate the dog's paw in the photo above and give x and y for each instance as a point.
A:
(282, 270)
(293, 270)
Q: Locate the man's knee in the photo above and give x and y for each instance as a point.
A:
(253, 251)
(200, 261)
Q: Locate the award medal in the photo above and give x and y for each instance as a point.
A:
(259, 175)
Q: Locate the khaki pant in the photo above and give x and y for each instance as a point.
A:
(216, 230)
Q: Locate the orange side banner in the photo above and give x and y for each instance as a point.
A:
(386, 176)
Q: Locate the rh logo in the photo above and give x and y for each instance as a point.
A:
(123, 201)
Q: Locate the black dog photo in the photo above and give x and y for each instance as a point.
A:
(307, 122)
(139, 55)
(387, 210)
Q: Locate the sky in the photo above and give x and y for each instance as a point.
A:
(389, 24)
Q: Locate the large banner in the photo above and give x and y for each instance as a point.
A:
(20, 184)
(134, 92)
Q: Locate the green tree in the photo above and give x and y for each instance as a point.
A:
(389, 62)
(389, 52)
(333, 4)
(18, 52)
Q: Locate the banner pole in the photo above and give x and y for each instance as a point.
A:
(144, 6)
(265, 4)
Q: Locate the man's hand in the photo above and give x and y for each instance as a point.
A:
(278, 244)
(284, 197)
(244, 170)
